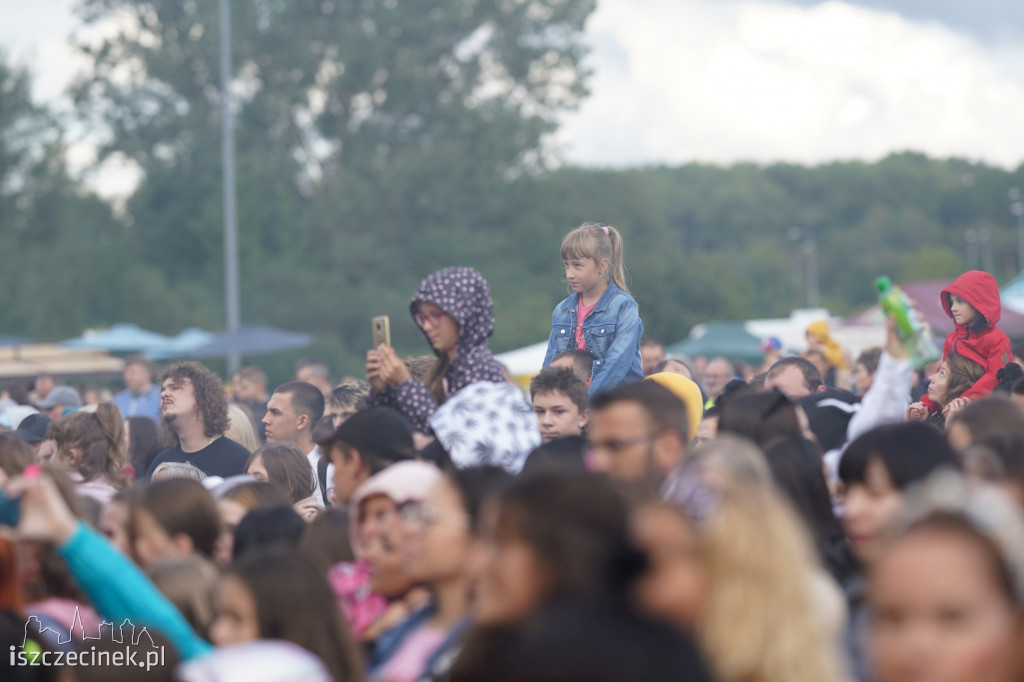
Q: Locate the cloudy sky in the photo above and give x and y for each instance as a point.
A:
(758, 80)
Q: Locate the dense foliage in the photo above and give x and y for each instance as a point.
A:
(378, 141)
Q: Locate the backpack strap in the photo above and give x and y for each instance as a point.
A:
(321, 479)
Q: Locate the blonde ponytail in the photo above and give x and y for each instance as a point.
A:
(598, 242)
(616, 264)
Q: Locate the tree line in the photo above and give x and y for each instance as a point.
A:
(379, 142)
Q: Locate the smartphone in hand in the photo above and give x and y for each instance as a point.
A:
(381, 326)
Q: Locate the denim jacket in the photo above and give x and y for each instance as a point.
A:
(611, 332)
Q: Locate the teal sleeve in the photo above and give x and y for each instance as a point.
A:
(120, 590)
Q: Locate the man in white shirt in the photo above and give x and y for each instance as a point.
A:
(292, 412)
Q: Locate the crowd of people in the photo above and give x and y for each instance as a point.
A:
(632, 516)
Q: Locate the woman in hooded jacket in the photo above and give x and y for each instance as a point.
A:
(453, 309)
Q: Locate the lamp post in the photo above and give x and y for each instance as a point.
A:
(811, 271)
(227, 149)
(804, 244)
(793, 234)
(1017, 209)
(985, 249)
(971, 237)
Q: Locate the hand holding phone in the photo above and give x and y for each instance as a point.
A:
(381, 326)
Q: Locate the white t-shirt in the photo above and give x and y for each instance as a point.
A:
(314, 460)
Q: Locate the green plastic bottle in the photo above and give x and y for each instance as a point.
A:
(915, 337)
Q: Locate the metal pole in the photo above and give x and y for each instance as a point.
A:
(985, 244)
(1020, 236)
(811, 265)
(227, 123)
(1017, 209)
(971, 237)
(795, 257)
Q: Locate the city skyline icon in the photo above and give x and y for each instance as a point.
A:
(105, 631)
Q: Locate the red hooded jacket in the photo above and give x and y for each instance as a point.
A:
(989, 347)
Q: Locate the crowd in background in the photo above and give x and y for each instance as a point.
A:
(632, 516)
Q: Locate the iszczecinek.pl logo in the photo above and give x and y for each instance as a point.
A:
(75, 647)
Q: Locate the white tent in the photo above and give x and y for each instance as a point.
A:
(524, 362)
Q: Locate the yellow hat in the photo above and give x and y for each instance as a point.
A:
(833, 351)
(820, 329)
(688, 392)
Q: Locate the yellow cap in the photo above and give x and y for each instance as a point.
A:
(820, 329)
(688, 392)
(833, 351)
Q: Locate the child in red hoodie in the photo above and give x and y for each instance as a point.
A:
(972, 300)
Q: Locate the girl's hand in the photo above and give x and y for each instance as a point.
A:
(917, 412)
(373, 371)
(44, 515)
(392, 370)
(307, 508)
(955, 406)
(893, 346)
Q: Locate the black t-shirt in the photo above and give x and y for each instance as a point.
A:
(223, 457)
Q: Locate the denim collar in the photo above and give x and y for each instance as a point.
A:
(569, 304)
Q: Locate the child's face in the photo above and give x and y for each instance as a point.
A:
(558, 416)
(584, 274)
(963, 312)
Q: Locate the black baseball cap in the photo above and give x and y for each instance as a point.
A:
(33, 428)
(377, 430)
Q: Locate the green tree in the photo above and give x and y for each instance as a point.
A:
(376, 142)
(68, 262)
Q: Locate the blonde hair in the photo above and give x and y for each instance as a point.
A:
(763, 622)
(597, 242)
(189, 583)
(240, 427)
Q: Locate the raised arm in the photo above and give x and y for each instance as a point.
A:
(113, 583)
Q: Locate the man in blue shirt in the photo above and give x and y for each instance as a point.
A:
(141, 397)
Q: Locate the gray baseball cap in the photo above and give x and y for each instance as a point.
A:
(61, 395)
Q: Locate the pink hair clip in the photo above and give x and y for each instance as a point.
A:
(605, 228)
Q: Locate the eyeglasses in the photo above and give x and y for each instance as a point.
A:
(421, 318)
(414, 512)
(616, 446)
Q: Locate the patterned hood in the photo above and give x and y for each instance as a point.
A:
(463, 293)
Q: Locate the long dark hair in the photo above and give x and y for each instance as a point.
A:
(143, 443)
(909, 452)
(760, 417)
(797, 472)
(577, 525)
(295, 603)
